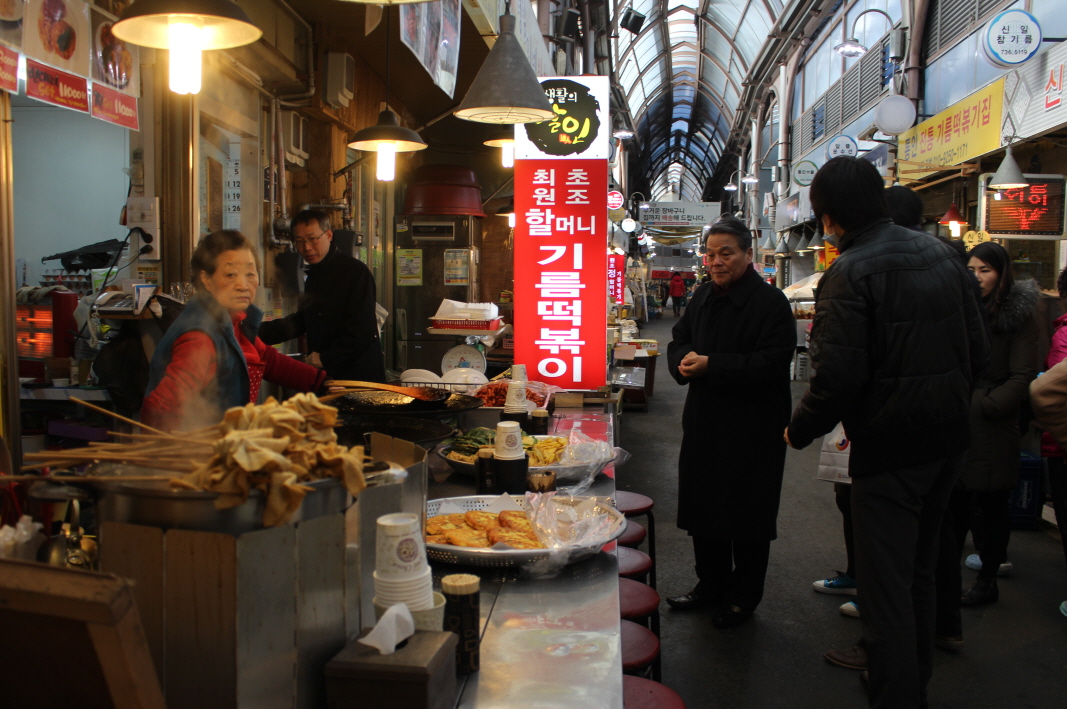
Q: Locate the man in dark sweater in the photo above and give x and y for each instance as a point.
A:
(336, 311)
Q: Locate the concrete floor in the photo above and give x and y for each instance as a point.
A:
(1015, 652)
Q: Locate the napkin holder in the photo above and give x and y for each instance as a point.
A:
(421, 674)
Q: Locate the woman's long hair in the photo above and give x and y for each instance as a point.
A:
(996, 257)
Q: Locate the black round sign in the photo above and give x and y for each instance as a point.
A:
(576, 123)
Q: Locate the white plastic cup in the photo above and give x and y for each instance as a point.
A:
(509, 441)
(516, 400)
(417, 594)
(518, 373)
(400, 548)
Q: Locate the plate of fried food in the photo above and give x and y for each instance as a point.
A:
(476, 534)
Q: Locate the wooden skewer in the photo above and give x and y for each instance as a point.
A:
(171, 440)
(102, 410)
(85, 478)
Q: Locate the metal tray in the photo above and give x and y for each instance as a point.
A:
(499, 558)
(564, 473)
(392, 403)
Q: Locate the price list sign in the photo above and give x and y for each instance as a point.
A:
(231, 195)
(1034, 210)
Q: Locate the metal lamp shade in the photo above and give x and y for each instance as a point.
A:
(499, 139)
(952, 216)
(1008, 176)
(506, 89)
(147, 23)
(387, 130)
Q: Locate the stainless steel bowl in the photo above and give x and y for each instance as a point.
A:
(157, 504)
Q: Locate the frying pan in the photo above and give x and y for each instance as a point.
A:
(424, 432)
(387, 402)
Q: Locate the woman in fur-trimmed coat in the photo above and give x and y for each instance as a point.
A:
(991, 469)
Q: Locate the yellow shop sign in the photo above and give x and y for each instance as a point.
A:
(965, 130)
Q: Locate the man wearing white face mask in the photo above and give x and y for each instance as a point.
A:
(896, 344)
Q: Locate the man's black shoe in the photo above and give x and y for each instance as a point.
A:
(983, 591)
(730, 617)
(689, 602)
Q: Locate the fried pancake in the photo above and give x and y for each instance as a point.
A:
(467, 537)
(517, 520)
(457, 519)
(482, 520)
(515, 539)
(440, 523)
(436, 539)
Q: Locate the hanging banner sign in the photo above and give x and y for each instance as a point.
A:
(617, 277)
(56, 87)
(561, 287)
(581, 129)
(9, 67)
(1011, 38)
(680, 214)
(115, 107)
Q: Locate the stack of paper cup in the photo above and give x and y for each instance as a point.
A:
(401, 574)
(516, 401)
(508, 441)
(518, 373)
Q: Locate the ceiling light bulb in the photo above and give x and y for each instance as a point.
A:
(623, 133)
(186, 51)
(644, 205)
(851, 48)
(507, 154)
(954, 229)
(386, 161)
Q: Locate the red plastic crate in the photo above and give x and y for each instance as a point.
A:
(467, 324)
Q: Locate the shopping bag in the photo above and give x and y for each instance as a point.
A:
(669, 302)
(833, 459)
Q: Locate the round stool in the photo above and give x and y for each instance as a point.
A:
(633, 564)
(640, 647)
(633, 504)
(636, 600)
(633, 535)
(641, 693)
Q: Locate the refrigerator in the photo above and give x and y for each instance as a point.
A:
(447, 252)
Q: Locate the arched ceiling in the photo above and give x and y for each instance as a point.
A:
(681, 79)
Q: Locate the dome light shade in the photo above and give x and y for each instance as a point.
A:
(750, 180)
(730, 187)
(851, 48)
(1008, 176)
(506, 89)
(952, 216)
(387, 130)
(222, 23)
(623, 133)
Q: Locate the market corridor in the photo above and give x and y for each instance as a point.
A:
(1015, 652)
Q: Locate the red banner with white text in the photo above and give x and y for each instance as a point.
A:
(56, 87)
(9, 66)
(617, 277)
(560, 271)
(114, 107)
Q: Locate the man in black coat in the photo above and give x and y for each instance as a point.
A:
(897, 341)
(336, 311)
(732, 347)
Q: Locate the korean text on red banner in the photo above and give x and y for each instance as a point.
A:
(56, 87)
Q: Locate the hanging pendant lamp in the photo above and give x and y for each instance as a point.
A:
(505, 140)
(506, 89)
(952, 216)
(1008, 176)
(768, 243)
(186, 28)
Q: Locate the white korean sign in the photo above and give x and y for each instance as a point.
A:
(1011, 38)
(681, 214)
(581, 128)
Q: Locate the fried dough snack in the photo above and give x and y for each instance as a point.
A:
(478, 528)
(481, 520)
(467, 537)
(512, 538)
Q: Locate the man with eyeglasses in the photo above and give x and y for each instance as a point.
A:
(336, 311)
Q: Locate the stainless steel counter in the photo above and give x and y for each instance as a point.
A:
(549, 643)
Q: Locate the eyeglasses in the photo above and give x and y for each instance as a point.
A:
(310, 241)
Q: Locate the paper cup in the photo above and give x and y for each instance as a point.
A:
(60, 382)
(432, 619)
(516, 400)
(508, 441)
(400, 546)
(518, 372)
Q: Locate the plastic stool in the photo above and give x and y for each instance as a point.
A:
(633, 564)
(641, 693)
(633, 535)
(640, 649)
(633, 504)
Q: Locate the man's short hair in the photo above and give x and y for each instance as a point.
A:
(312, 216)
(729, 224)
(905, 207)
(850, 191)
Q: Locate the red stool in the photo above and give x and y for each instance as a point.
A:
(633, 564)
(633, 535)
(633, 504)
(640, 649)
(641, 693)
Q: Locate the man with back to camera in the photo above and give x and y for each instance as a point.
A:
(896, 344)
(732, 347)
(336, 311)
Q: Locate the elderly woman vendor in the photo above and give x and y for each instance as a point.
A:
(210, 358)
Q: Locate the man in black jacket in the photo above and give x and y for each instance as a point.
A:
(897, 341)
(336, 311)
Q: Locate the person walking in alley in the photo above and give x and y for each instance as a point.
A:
(897, 342)
(732, 348)
(677, 293)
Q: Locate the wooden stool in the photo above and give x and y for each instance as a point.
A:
(633, 504)
(641, 693)
(633, 535)
(633, 564)
(640, 649)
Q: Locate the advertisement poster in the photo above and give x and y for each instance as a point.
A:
(581, 129)
(114, 63)
(11, 15)
(56, 87)
(562, 286)
(617, 277)
(56, 32)
(114, 107)
(9, 68)
(457, 267)
(431, 31)
(409, 267)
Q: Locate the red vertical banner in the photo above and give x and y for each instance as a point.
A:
(9, 67)
(560, 271)
(617, 277)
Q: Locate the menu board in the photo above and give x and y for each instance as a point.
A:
(1035, 210)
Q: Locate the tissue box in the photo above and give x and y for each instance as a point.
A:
(419, 675)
